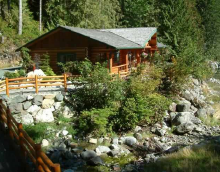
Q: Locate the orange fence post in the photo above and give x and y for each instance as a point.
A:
(21, 137)
(8, 112)
(36, 84)
(65, 84)
(56, 168)
(37, 151)
(7, 88)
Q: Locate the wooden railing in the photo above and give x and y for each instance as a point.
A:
(27, 146)
(116, 69)
(34, 82)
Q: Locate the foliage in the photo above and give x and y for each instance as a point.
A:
(26, 59)
(96, 121)
(45, 65)
(16, 74)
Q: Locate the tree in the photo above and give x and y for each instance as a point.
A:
(40, 16)
(20, 18)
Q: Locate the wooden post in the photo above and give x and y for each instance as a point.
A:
(110, 62)
(9, 123)
(138, 57)
(126, 62)
(21, 137)
(36, 84)
(37, 152)
(65, 80)
(56, 168)
(7, 88)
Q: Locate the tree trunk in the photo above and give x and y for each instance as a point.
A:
(9, 5)
(20, 18)
(40, 16)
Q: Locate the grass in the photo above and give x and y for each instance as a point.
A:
(200, 159)
(211, 121)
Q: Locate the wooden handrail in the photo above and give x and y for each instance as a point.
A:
(120, 66)
(27, 145)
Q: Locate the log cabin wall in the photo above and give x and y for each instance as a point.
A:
(64, 41)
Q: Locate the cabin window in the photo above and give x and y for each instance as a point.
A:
(66, 57)
(102, 57)
(116, 58)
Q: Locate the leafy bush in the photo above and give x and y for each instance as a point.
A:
(16, 74)
(45, 65)
(26, 59)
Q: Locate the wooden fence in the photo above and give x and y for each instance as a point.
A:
(36, 82)
(28, 147)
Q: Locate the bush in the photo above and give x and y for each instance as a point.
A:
(45, 65)
(26, 59)
(16, 74)
(96, 121)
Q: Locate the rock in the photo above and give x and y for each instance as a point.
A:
(210, 111)
(185, 128)
(47, 103)
(59, 97)
(33, 108)
(49, 96)
(201, 113)
(93, 141)
(114, 147)
(138, 136)
(185, 117)
(68, 170)
(130, 141)
(26, 105)
(172, 107)
(16, 108)
(19, 99)
(100, 140)
(137, 129)
(115, 140)
(67, 112)
(27, 119)
(187, 95)
(195, 82)
(160, 132)
(29, 97)
(57, 105)
(65, 132)
(55, 157)
(184, 107)
(113, 153)
(45, 143)
(38, 100)
(5, 98)
(37, 72)
(86, 155)
(103, 149)
(44, 115)
(96, 161)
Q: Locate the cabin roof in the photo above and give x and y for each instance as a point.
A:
(123, 38)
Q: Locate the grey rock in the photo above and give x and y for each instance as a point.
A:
(187, 95)
(114, 147)
(47, 103)
(16, 108)
(57, 105)
(86, 155)
(172, 107)
(95, 161)
(113, 153)
(160, 132)
(44, 115)
(103, 149)
(130, 141)
(210, 110)
(5, 98)
(55, 157)
(184, 128)
(138, 136)
(38, 100)
(183, 107)
(137, 129)
(115, 140)
(59, 97)
(27, 119)
(19, 99)
(69, 170)
(26, 105)
(184, 117)
(201, 113)
(33, 108)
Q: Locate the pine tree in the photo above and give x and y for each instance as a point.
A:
(20, 18)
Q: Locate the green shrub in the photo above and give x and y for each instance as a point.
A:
(26, 59)
(16, 74)
(45, 65)
(96, 121)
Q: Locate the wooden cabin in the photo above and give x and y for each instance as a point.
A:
(121, 47)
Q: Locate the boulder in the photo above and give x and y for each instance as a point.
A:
(160, 131)
(86, 155)
(187, 95)
(57, 105)
(26, 105)
(201, 113)
(172, 107)
(19, 99)
(113, 153)
(49, 96)
(103, 149)
(45, 143)
(27, 119)
(44, 115)
(59, 97)
(38, 100)
(137, 129)
(138, 136)
(95, 161)
(67, 112)
(184, 117)
(115, 140)
(37, 72)
(47, 103)
(210, 110)
(130, 141)
(29, 97)
(185, 128)
(65, 132)
(183, 107)
(16, 108)
(114, 147)
(33, 108)
(93, 141)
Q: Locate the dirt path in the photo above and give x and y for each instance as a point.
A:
(8, 159)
